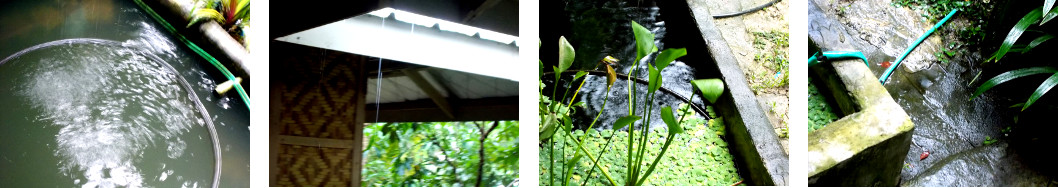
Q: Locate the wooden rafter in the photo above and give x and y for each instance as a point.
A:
(430, 90)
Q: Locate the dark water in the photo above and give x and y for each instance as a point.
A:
(597, 29)
(106, 98)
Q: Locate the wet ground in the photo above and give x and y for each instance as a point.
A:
(949, 126)
(95, 93)
(739, 33)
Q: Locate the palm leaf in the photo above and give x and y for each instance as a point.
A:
(1015, 33)
(1037, 42)
(205, 14)
(1040, 91)
(1048, 16)
(1047, 5)
(1010, 75)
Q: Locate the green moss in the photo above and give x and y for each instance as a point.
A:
(699, 157)
(820, 113)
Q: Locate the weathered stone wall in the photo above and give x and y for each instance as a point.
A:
(866, 147)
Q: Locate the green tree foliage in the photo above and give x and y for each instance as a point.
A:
(440, 154)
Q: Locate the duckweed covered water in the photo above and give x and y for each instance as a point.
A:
(698, 157)
(820, 113)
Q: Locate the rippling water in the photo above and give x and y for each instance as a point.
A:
(122, 118)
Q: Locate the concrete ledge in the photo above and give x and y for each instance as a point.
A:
(759, 156)
(864, 148)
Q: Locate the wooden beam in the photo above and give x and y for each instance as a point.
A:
(315, 142)
(431, 91)
(424, 110)
(276, 110)
(358, 123)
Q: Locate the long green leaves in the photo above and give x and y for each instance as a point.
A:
(1044, 87)
(1037, 42)
(1010, 75)
(1015, 33)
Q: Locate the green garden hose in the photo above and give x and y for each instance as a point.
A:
(889, 71)
(829, 55)
(199, 51)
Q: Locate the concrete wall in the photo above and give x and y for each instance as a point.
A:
(868, 145)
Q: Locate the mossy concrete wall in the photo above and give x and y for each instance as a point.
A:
(868, 145)
(759, 156)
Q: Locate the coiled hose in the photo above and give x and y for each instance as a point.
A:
(197, 50)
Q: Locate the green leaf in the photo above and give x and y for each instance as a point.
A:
(581, 103)
(644, 41)
(1010, 75)
(547, 129)
(1048, 15)
(666, 115)
(668, 56)
(1047, 5)
(624, 121)
(1015, 33)
(565, 55)
(579, 74)
(1037, 42)
(569, 167)
(1040, 91)
(205, 14)
(711, 88)
(655, 79)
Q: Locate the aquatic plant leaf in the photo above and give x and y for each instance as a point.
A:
(624, 121)
(711, 88)
(569, 167)
(565, 55)
(579, 74)
(547, 129)
(655, 79)
(666, 57)
(644, 41)
(1015, 33)
(1040, 91)
(674, 127)
(611, 76)
(1037, 42)
(1010, 75)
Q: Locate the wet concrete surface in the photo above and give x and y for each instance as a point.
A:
(936, 95)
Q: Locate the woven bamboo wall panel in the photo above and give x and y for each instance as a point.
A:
(320, 95)
(303, 166)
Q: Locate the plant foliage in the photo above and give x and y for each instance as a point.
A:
(440, 154)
